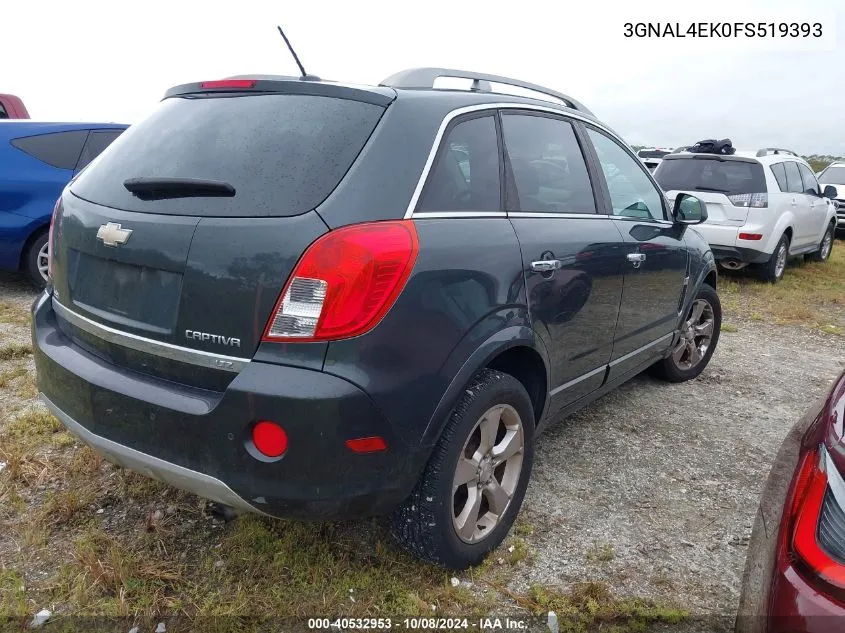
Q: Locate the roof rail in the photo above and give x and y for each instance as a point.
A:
(425, 78)
(775, 150)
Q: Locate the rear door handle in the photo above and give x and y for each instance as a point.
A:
(545, 265)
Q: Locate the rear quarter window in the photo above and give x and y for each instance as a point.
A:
(283, 154)
(780, 175)
(794, 183)
(719, 175)
(58, 149)
(98, 140)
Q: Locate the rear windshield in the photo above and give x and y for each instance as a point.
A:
(651, 153)
(711, 174)
(283, 154)
(833, 176)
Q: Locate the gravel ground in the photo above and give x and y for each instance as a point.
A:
(669, 476)
(653, 488)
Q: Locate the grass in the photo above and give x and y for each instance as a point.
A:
(8, 376)
(15, 350)
(13, 315)
(810, 293)
(601, 554)
(591, 606)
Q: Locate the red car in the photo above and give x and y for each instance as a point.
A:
(795, 571)
(11, 107)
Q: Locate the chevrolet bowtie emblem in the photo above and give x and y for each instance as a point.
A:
(111, 234)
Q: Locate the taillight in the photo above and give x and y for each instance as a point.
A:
(751, 200)
(345, 282)
(816, 504)
(814, 527)
(50, 249)
(754, 237)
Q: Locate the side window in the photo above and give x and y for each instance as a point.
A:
(98, 140)
(793, 177)
(548, 167)
(3, 113)
(779, 170)
(631, 192)
(465, 176)
(59, 149)
(811, 185)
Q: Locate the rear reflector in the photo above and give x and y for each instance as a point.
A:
(345, 282)
(751, 236)
(237, 84)
(269, 438)
(366, 444)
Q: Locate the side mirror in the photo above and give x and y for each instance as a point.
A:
(829, 192)
(689, 210)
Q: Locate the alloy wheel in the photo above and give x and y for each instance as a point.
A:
(696, 335)
(487, 473)
(42, 260)
(780, 262)
(827, 244)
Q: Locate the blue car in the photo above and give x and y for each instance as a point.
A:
(37, 160)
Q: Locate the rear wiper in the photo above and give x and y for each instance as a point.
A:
(711, 189)
(163, 188)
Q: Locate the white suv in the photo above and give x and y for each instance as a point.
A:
(762, 207)
(651, 157)
(834, 176)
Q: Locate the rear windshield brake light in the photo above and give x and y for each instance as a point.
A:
(230, 84)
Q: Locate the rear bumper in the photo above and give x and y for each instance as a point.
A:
(177, 476)
(198, 440)
(747, 255)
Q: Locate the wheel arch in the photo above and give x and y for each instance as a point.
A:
(514, 350)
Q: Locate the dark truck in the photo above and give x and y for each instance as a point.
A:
(11, 107)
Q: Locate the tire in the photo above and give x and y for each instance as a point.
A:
(683, 364)
(772, 271)
(825, 246)
(425, 524)
(34, 261)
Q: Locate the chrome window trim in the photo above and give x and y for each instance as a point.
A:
(150, 346)
(540, 214)
(459, 214)
(493, 107)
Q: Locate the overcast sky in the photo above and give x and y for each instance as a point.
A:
(111, 61)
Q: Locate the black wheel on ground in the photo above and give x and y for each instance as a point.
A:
(473, 485)
(35, 260)
(772, 271)
(698, 339)
(825, 246)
